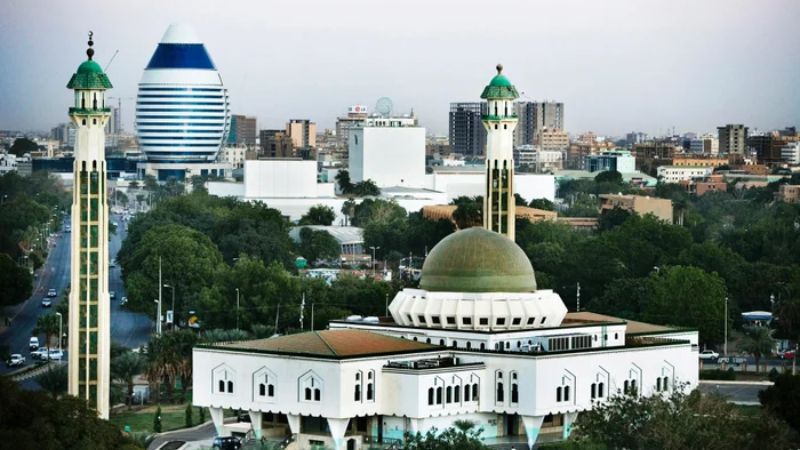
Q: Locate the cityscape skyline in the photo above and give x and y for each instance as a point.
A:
(649, 69)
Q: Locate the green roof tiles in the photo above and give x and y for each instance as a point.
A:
(477, 260)
(89, 76)
(500, 87)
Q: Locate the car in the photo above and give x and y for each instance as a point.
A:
(52, 293)
(33, 344)
(15, 360)
(123, 301)
(67, 229)
(786, 354)
(40, 354)
(46, 302)
(709, 355)
(55, 355)
(227, 443)
(112, 295)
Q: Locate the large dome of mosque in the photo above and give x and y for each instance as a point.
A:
(477, 260)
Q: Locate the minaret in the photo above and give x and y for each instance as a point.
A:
(499, 121)
(89, 308)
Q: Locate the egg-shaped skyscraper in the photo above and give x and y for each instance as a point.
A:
(182, 110)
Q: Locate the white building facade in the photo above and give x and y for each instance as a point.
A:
(676, 174)
(388, 153)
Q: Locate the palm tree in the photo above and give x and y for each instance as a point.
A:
(54, 379)
(126, 366)
(47, 325)
(758, 342)
(170, 356)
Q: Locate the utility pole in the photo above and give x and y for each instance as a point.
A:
(386, 306)
(60, 331)
(725, 334)
(312, 316)
(578, 296)
(160, 286)
(237, 309)
(302, 309)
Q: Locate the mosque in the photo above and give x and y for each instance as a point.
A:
(477, 341)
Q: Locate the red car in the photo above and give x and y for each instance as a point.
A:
(786, 354)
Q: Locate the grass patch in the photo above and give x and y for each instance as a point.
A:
(141, 420)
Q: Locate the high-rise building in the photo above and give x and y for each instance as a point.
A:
(534, 117)
(182, 109)
(499, 121)
(390, 151)
(466, 132)
(356, 115)
(302, 132)
(275, 144)
(732, 139)
(551, 139)
(243, 131)
(89, 309)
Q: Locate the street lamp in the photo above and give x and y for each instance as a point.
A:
(158, 316)
(237, 309)
(725, 345)
(173, 304)
(60, 335)
(373, 259)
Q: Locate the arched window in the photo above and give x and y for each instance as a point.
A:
(317, 395)
(469, 345)
(483, 346)
(457, 394)
(658, 384)
(601, 390)
(430, 396)
(428, 341)
(441, 341)
(308, 393)
(262, 389)
(665, 384)
(625, 387)
(370, 392)
(566, 393)
(500, 392)
(94, 103)
(514, 393)
(475, 393)
(594, 391)
(230, 387)
(449, 394)
(634, 389)
(357, 393)
(83, 102)
(439, 395)
(221, 385)
(466, 392)
(271, 390)
(558, 394)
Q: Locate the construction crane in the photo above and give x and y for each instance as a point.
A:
(118, 119)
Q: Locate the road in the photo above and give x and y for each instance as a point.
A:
(740, 393)
(127, 328)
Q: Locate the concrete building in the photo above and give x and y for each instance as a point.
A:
(732, 139)
(8, 163)
(534, 117)
(243, 131)
(466, 132)
(790, 153)
(351, 239)
(302, 132)
(550, 139)
(388, 152)
(639, 204)
(677, 174)
(233, 156)
(275, 144)
(499, 122)
(714, 183)
(355, 117)
(619, 160)
(89, 309)
(704, 145)
(789, 193)
(696, 161)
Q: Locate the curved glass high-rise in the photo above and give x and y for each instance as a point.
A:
(182, 110)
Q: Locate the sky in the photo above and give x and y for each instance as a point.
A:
(618, 65)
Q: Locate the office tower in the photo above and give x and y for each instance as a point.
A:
(276, 144)
(89, 308)
(302, 132)
(182, 109)
(535, 117)
(243, 131)
(732, 139)
(466, 131)
(356, 115)
(499, 121)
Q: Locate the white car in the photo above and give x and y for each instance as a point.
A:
(15, 360)
(709, 355)
(46, 302)
(40, 354)
(33, 343)
(52, 293)
(55, 355)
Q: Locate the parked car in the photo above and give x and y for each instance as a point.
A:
(709, 355)
(227, 443)
(46, 302)
(33, 344)
(41, 354)
(15, 360)
(52, 293)
(55, 355)
(786, 354)
(123, 301)
(112, 294)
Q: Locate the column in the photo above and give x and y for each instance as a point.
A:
(532, 426)
(255, 420)
(218, 417)
(338, 427)
(569, 420)
(294, 423)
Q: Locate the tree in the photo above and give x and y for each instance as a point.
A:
(612, 218)
(31, 420)
(124, 368)
(365, 188)
(542, 203)
(157, 420)
(16, 283)
(583, 205)
(609, 176)
(318, 215)
(343, 180)
(169, 357)
(22, 146)
(54, 379)
(188, 416)
(469, 212)
(47, 324)
(463, 436)
(758, 342)
(315, 245)
(782, 399)
(679, 421)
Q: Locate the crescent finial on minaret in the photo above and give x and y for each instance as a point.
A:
(499, 69)
(90, 50)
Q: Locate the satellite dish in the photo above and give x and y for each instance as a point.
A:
(384, 106)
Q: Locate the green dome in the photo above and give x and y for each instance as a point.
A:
(89, 66)
(500, 80)
(89, 76)
(477, 260)
(500, 87)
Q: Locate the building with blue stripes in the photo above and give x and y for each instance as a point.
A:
(182, 108)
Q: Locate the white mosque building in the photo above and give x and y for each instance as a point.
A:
(477, 341)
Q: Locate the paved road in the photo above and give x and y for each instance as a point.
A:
(741, 393)
(127, 328)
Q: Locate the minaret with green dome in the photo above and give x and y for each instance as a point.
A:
(89, 308)
(499, 121)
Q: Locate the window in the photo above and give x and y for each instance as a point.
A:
(467, 321)
(501, 321)
(221, 386)
(543, 319)
(594, 391)
(500, 391)
(516, 321)
(531, 320)
(428, 341)
(357, 393)
(601, 390)
(308, 393)
(466, 392)
(566, 393)
(634, 389)
(451, 320)
(454, 344)
(558, 394)
(435, 320)
(483, 346)
(230, 387)
(658, 384)
(421, 319)
(430, 396)
(484, 321)
(665, 384)
(469, 345)
(456, 394)
(514, 388)
(475, 392)
(439, 395)
(441, 341)
(317, 395)
(370, 393)
(449, 394)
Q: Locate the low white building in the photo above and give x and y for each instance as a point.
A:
(676, 174)
(476, 341)
(388, 155)
(790, 153)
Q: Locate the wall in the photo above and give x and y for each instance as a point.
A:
(389, 156)
(280, 178)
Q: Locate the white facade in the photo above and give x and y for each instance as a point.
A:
(676, 174)
(791, 153)
(388, 155)
(283, 178)
(234, 156)
(8, 163)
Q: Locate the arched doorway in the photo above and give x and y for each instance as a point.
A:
(351, 444)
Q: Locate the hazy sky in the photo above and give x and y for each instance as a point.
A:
(618, 66)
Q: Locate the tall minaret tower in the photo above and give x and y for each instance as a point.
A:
(499, 121)
(89, 308)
